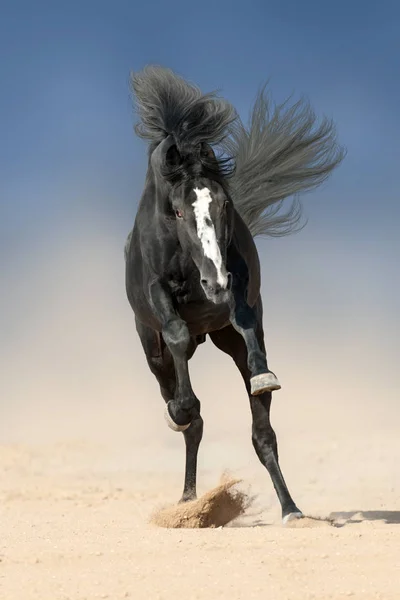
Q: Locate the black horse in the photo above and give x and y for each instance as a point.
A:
(192, 267)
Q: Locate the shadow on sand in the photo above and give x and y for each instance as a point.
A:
(335, 519)
(390, 517)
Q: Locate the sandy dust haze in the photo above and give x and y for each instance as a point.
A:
(86, 457)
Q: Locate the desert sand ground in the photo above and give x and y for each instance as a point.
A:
(86, 458)
(75, 517)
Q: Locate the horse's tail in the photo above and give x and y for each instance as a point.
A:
(280, 154)
(169, 105)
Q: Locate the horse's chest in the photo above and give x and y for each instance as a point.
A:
(185, 288)
(181, 291)
(201, 315)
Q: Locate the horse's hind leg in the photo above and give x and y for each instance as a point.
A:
(247, 322)
(161, 365)
(264, 439)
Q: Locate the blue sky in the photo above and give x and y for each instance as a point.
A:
(70, 162)
(66, 116)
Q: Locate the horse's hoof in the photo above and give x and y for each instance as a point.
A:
(291, 517)
(187, 498)
(171, 423)
(266, 382)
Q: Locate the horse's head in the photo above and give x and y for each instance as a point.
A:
(203, 213)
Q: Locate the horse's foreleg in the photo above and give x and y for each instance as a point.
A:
(183, 411)
(184, 407)
(263, 435)
(161, 365)
(244, 320)
(193, 436)
(265, 445)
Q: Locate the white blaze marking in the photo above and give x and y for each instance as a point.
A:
(206, 231)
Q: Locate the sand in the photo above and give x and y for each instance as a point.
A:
(86, 457)
(76, 524)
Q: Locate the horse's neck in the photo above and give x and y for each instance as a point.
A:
(154, 212)
(155, 195)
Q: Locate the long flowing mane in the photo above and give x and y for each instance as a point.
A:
(282, 153)
(167, 105)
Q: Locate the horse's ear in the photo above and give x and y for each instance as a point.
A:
(172, 157)
(159, 155)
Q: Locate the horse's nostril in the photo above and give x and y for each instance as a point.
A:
(229, 284)
(207, 285)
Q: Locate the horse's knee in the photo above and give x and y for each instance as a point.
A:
(176, 335)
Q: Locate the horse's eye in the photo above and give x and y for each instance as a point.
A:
(178, 214)
(207, 151)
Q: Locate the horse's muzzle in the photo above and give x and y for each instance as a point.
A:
(215, 292)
